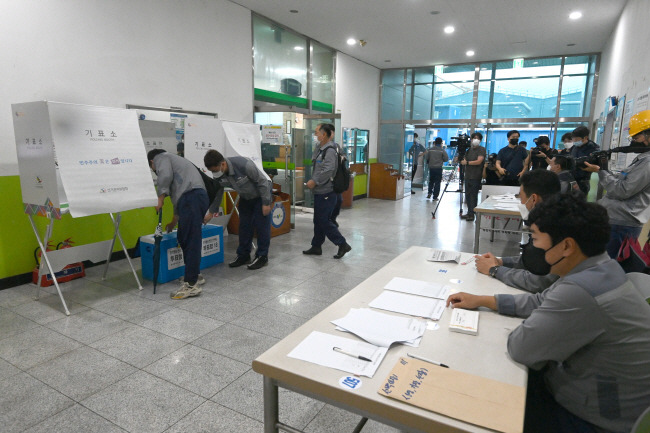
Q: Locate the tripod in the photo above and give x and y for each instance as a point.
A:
(451, 177)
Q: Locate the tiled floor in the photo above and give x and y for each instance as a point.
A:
(133, 361)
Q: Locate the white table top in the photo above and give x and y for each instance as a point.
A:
(488, 206)
(483, 355)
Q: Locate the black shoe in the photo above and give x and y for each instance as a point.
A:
(464, 216)
(313, 251)
(428, 195)
(240, 261)
(469, 217)
(435, 198)
(412, 192)
(343, 248)
(259, 262)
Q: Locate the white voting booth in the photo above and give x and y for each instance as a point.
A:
(158, 135)
(229, 139)
(83, 160)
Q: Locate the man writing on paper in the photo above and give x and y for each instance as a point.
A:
(179, 179)
(586, 338)
(536, 187)
(254, 189)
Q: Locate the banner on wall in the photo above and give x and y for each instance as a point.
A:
(99, 151)
(229, 138)
(158, 135)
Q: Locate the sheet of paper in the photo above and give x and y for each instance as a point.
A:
(417, 287)
(381, 329)
(318, 348)
(412, 305)
(444, 256)
(411, 343)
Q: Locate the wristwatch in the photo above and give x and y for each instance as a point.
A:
(493, 271)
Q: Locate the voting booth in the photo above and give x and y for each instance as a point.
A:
(82, 160)
(158, 135)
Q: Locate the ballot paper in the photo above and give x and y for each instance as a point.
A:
(318, 348)
(444, 256)
(417, 287)
(381, 329)
(412, 305)
(465, 321)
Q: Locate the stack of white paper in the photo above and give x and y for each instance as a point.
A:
(506, 202)
(417, 287)
(444, 256)
(465, 321)
(318, 348)
(382, 329)
(412, 305)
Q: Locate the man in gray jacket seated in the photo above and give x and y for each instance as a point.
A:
(585, 339)
(536, 187)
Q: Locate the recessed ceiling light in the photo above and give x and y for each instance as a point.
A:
(469, 53)
(576, 15)
(449, 29)
(352, 41)
(570, 45)
(293, 11)
(298, 48)
(434, 12)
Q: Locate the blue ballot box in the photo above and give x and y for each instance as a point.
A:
(172, 266)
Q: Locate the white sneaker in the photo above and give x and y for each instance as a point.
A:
(186, 291)
(199, 282)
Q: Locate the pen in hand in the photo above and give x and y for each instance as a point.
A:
(427, 360)
(339, 350)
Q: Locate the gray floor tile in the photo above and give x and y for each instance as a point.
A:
(142, 403)
(251, 295)
(133, 309)
(237, 343)
(181, 324)
(296, 305)
(198, 370)
(12, 323)
(82, 372)
(213, 418)
(333, 419)
(272, 281)
(319, 290)
(75, 419)
(88, 326)
(35, 346)
(47, 308)
(24, 402)
(7, 370)
(138, 346)
(245, 396)
(218, 307)
(92, 294)
(17, 295)
(269, 322)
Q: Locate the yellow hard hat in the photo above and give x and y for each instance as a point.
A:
(639, 122)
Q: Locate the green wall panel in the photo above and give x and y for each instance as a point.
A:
(360, 184)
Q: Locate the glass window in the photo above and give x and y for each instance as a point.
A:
(483, 101)
(391, 145)
(455, 73)
(573, 101)
(322, 61)
(420, 102)
(486, 71)
(577, 64)
(453, 101)
(525, 98)
(280, 59)
(424, 75)
(530, 68)
(392, 94)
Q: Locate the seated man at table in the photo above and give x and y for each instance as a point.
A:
(588, 334)
(536, 186)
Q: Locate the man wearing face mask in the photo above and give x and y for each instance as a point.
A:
(541, 155)
(582, 146)
(519, 271)
(473, 162)
(585, 339)
(510, 160)
(254, 189)
(567, 141)
(628, 193)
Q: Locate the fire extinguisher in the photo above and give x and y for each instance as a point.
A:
(70, 272)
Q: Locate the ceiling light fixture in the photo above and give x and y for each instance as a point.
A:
(298, 48)
(576, 15)
(449, 29)
(469, 53)
(352, 41)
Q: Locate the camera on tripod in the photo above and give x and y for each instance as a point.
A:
(461, 143)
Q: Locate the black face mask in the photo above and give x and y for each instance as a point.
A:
(534, 260)
(513, 141)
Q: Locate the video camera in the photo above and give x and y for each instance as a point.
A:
(600, 157)
(461, 143)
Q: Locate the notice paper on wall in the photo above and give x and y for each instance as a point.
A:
(318, 348)
(466, 397)
(413, 305)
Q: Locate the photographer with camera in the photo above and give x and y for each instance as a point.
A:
(510, 160)
(541, 155)
(582, 147)
(435, 157)
(628, 193)
(473, 163)
(490, 172)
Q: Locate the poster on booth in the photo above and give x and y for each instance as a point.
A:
(158, 135)
(100, 154)
(40, 181)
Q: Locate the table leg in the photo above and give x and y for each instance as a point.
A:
(477, 231)
(271, 407)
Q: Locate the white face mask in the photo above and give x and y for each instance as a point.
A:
(217, 174)
(476, 142)
(568, 145)
(314, 141)
(523, 210)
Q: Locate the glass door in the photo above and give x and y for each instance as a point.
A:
(305, 149)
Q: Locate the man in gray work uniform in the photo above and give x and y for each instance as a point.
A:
(435, 158)
(254, 206)
(585, 339)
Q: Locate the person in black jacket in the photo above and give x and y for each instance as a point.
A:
(582, 146)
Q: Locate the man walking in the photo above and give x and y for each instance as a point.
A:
(435, 157)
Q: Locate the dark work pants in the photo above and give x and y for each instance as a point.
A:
(618, 235)
(415, 168)
(435, 178)
(584, 186)
(191, 209)
(337, 208)
(324, 204)
(252, 220)
(472, 187)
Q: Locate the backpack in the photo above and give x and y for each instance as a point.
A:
(212, 186)
(341, 178)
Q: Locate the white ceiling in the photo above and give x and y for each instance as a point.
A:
(406, 33)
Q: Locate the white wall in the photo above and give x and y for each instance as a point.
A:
(191, 54)
(357, 97)
(625, 61)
